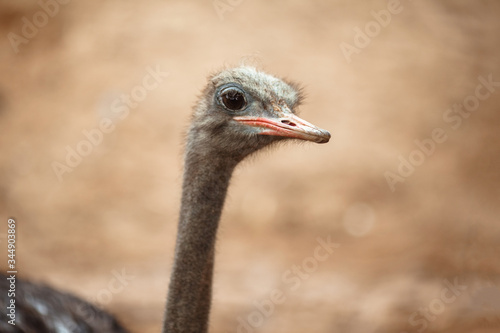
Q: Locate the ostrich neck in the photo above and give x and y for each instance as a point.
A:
(206, 179)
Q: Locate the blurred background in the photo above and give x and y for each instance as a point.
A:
(407, 189)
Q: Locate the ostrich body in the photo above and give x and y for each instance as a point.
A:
(240, 111)
(41, 309)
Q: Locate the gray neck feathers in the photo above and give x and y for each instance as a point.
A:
(206, 179)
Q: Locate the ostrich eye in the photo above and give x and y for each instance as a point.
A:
(233, 99)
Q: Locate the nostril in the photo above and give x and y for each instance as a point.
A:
(288, 122)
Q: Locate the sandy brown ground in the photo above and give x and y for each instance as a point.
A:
(117, 210)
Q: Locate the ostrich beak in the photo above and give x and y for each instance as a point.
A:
(289, 125)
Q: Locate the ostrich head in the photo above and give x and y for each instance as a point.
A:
(243, 110)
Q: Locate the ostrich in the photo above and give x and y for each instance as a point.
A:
(241, 111)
